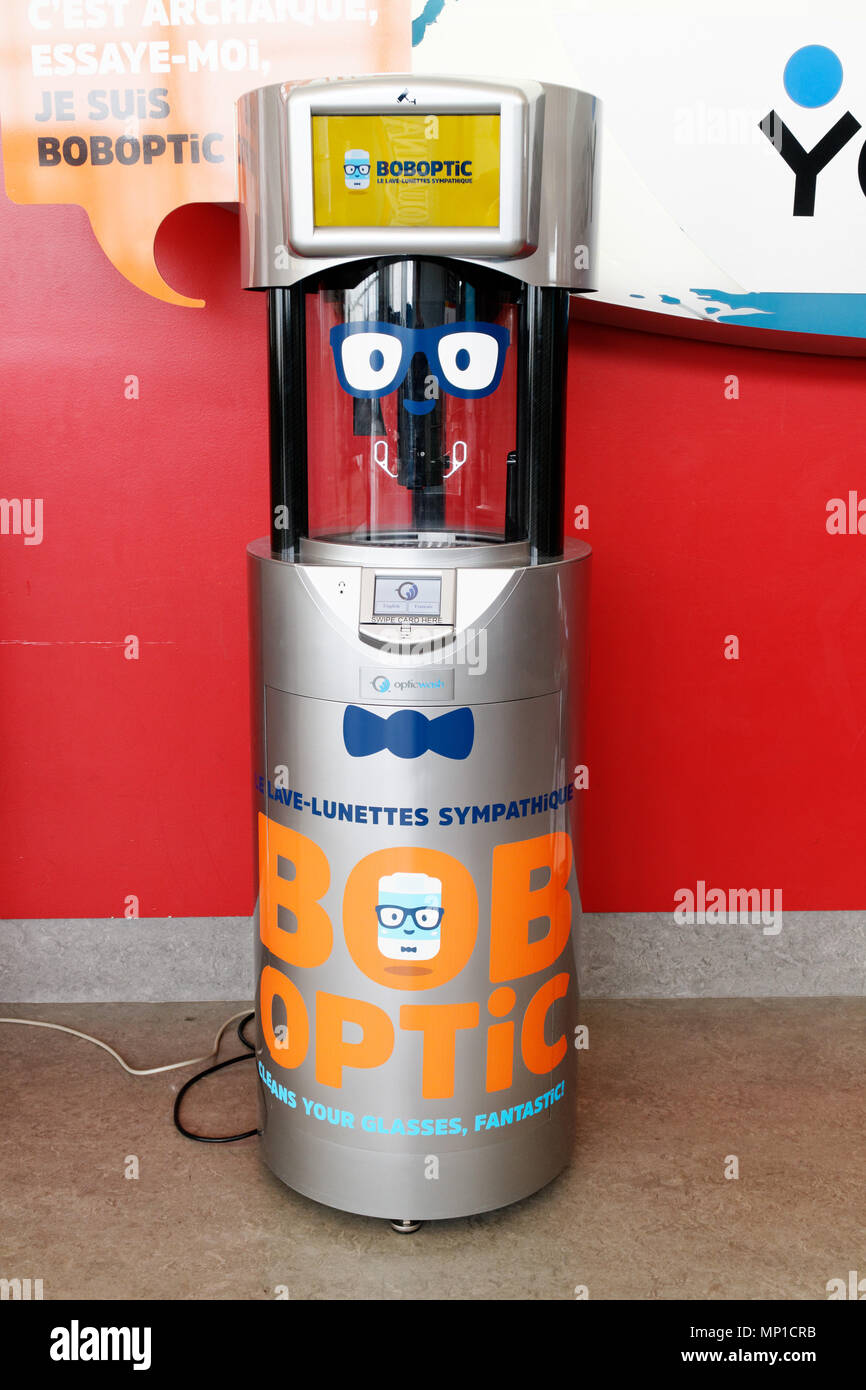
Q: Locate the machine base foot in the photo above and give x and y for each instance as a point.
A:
(406, 1228)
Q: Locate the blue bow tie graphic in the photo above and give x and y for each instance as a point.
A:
(408, 733)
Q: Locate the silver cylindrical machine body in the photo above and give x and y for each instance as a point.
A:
(419, 634)
(459, 1096)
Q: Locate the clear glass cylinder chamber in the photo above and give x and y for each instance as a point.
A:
(412, 392)
(416, 402)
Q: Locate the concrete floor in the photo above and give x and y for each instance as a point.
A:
(668, 1089)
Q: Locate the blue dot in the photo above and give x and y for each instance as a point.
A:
(377, 359)
(813, 75)
(461, 361)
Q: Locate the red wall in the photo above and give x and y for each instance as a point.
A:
(707, 518)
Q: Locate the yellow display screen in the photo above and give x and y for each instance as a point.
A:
(409, 170)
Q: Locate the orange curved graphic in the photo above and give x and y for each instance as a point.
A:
(126, 107)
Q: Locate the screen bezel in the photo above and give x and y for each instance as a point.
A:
(391, 624)
(437, 97)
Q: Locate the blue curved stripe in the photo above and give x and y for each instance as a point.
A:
(836, 315)
(428, 16)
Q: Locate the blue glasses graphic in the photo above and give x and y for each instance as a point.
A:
(393, 916)
(372, 358)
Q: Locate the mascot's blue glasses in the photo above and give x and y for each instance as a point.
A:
(393, 916)
(372, 358)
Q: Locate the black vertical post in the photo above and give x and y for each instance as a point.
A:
(537, 475)
(421, 461)
(287, 378)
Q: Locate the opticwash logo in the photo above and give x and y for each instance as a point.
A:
(813, 77)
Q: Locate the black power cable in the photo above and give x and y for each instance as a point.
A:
(208, 1071)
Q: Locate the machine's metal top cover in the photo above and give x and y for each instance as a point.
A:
(499, 172)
